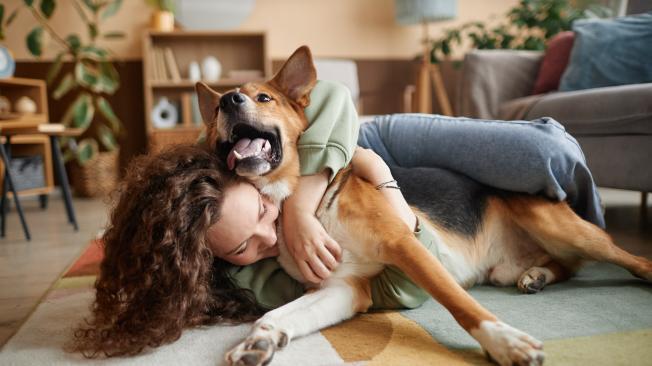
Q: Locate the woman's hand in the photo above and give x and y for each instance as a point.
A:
(314, 251)
(372, 168)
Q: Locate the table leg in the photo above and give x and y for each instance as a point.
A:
(63, 179)
(10, 183)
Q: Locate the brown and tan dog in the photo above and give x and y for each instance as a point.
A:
(520, 239)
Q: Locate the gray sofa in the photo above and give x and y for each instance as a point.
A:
(613, 124)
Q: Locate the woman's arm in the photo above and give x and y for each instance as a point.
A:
(371, 167)
(314, 251)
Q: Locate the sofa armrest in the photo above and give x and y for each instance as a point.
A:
(492, 77)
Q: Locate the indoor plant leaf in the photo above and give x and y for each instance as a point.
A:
(35, 41)
(54, 69)
(91, 5)
(80, 113)
(92, 30)
(28, 2)
(114, 34)
(108, 77)
(88, 76)
(111, 9)
(47, 7)
(105, 108)
(66, 84)
(107, 138)
(73, 42)
(87, 149)
(83, 112)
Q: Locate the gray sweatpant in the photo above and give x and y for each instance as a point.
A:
(537, 157)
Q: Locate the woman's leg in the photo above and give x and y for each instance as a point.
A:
(532, 157)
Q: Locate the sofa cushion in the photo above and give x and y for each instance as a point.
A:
(554, 62)
(610, 52)
(615, 110)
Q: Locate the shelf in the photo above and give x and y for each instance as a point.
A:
(188, 84)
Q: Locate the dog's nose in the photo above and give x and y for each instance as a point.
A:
(232, 100)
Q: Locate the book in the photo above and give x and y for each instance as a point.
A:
(171, 65)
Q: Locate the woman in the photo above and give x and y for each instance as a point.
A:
(188, 246)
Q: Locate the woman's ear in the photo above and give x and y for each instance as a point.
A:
(208, 100)
(297, 76)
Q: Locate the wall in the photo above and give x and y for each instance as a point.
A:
(334, 28)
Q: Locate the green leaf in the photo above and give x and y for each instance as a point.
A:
(88, 76)
(55, 68)
(105, 108)
(111, 9)
(80, 113)
(86, 151)
(2, 13)
(92, 30)
(28, 2)
(114, 34)
(35, 41)
(66, 84)
(74, 42)
(107, 138)
(84, 111)
(109, 78)
(93, 53)
(47, 7)
(91, 5)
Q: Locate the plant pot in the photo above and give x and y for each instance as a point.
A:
(162, 21)
(98, 177)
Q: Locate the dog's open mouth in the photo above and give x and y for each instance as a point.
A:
(252, 151)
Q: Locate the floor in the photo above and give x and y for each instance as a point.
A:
(28, 269)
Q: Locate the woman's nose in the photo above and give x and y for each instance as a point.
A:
(269, 235)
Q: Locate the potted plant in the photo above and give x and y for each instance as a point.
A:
(93, 156)
(163, 15)
(528, 26)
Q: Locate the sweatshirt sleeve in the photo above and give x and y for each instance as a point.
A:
(271, 285)
(332, 133)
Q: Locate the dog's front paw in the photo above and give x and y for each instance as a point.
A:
(254, 351)
(508, 346)
(259, 347)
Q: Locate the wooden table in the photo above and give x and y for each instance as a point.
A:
(53, 131)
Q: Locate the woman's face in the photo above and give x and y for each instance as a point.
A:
(246, 232)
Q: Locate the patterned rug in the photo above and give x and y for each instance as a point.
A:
(601, 317)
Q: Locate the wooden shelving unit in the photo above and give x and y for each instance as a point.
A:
(235, 52)
(28, 144)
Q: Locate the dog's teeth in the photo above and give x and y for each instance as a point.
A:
(237, 155)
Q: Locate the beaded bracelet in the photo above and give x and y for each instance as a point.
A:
(388, 185)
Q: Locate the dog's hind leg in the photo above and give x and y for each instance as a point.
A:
(568, 238)
(338, 300)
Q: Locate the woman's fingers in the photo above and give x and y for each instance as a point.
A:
(307, 272)
(318, 268)
(327, 259)
(335, 249)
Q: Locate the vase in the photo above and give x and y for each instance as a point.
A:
(162, 21)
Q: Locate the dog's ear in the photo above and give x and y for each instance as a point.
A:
(297, 77)
(208, 100)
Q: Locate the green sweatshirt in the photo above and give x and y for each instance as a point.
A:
(329, 142)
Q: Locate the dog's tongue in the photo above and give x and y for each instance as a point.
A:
(245, 148)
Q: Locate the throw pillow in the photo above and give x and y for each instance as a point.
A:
(554, 62)
(610, 52)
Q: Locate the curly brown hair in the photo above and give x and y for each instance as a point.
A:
(158, 275)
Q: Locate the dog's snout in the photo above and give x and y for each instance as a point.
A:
(232, 100)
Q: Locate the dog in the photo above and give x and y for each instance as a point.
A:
(502, 238)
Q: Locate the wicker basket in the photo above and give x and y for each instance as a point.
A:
(97, 178)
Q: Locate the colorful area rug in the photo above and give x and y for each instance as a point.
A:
(601, 317)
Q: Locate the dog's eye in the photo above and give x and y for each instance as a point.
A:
(263, 98)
